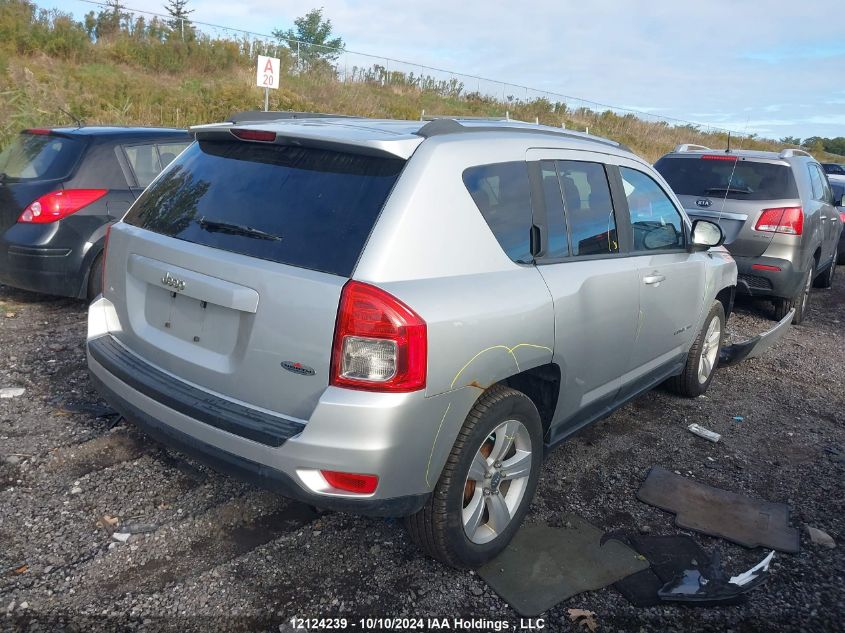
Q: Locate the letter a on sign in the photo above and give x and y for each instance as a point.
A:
(267, 75)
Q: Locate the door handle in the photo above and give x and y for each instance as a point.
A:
(651, 280)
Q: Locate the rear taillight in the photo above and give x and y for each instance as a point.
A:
(788, 220)
(380, 344)
(718, 157)
(842, 216)
(59, 204)
(351, 482)
(39, 131)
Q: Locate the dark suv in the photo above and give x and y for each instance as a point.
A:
(59, 191)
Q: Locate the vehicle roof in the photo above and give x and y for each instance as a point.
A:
(119, 131)
(399, 137)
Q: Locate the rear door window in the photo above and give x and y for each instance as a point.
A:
(167, 152)
(143, 159)
(821, 191)
(40, 156)
(589, 210)
(502, 194)
(558, 238)
(656, 223)
(723, 176)
(305, 207)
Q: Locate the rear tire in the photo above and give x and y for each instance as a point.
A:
(703, 357)
(800, 301)
(95, 278)
(825, 280)
(461, 525)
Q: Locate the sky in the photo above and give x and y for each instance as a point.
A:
(774, 68)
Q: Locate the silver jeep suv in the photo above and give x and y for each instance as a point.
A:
(777, 211)
(400, 318)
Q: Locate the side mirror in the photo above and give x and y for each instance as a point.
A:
(839, 202)
(706, 235)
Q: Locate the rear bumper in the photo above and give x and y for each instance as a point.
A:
(46, 258)
(250, 471)
(403, 438)
(760, 282)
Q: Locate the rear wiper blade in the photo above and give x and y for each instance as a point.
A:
(237, 229)
(728, 189)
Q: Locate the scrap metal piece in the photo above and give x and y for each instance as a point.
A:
(707, 434)
(734, 517)
(757, 345)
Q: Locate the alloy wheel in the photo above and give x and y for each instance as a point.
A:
(497, 480)
(709, 349)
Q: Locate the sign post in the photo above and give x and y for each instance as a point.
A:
(267, 76)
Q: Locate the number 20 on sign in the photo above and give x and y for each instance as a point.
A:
(267, 75)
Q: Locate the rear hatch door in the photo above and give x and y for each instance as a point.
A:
(227, 271)
(35, 163)
(732, 191)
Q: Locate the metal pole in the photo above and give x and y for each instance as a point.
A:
(182, 24)
(298, 66)
(266, 99)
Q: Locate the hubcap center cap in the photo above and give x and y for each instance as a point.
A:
(495, 480)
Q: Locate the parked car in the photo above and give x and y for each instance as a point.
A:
(837, 183)
(60, 188)
(401, 318)
(833, 169)
(776, 210)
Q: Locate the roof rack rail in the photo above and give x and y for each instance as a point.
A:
(449, 125)
(437, 117)
(789, 153)
(260, 115)
(690, 147)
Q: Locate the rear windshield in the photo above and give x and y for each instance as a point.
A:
(40, 157)
(739, 180)
(305, 207)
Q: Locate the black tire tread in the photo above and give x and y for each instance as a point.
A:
(427, 528)
(686, 383)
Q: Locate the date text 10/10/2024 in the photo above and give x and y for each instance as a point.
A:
(410, 624)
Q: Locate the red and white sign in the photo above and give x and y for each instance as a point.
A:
(268, 72)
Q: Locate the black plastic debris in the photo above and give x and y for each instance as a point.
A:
(681, 571)
(710, 585)
(668, 556)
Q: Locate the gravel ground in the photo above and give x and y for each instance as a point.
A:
(210, 553)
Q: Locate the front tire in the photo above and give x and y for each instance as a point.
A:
(488, 482)
(703, 357)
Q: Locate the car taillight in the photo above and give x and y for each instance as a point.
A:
(788, 220)
(59, 204)
(351, 482)
(842, 216)
(380, 344)
(718, 157)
